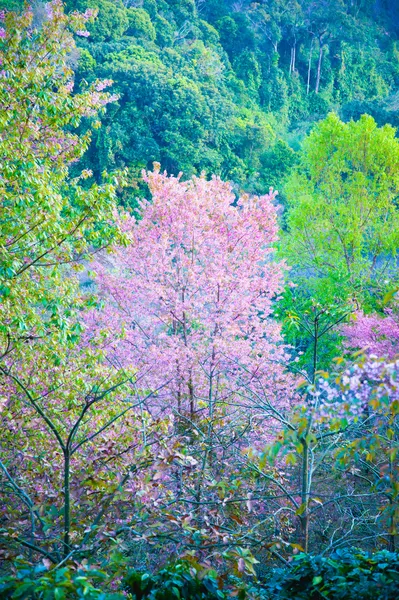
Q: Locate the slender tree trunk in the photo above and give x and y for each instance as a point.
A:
(293, 58)
(179, 387)
(304, 518)
(309, 67)
(392, 528)
(191, 395)
(319, 66)
(315, 348)
(391, 538)
(67, 503)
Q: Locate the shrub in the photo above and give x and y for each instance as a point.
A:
(345, 575)
(178, 581)
(66, 583)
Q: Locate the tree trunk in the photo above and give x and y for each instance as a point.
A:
(293, 59)
(67, 504)
(191, 396)
(319, 66)
(309, 67)
(304, 517)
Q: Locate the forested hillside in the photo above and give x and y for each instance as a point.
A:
(199, 374)
(223, 86)
(232, 87)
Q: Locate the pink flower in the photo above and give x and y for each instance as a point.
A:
(193, 295)
(2, 32)
(82, 33)
(101, 85)
(89, 13)
(69, 86)
(375, 334)
(241, 565)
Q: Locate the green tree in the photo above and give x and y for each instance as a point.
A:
(49, 221)
(343, 218)
(113, 18)
(342, 235)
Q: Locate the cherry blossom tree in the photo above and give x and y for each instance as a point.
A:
(193, 294)
(374, 334)
(191, 302)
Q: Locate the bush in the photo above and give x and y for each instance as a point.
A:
(179, 581)
(65, 583)
(345, 575)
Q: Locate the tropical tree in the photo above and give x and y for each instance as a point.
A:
(49, 221)
(342, 224)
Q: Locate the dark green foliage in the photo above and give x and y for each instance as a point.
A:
(65, 583)
(201, 82)
(346, 575)
(179, 581)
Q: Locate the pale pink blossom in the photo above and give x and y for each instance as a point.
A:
(192, 297)
(374, 334)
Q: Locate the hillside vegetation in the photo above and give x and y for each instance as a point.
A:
(199, 374)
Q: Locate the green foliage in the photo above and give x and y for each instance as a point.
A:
(113, 19)
(179, 581)
(311, 326)
(140, 24)
(346, 574)
(49, 218)
(276, 164)
(86, 63)
(343, 219)
(213, 64)
(64, 583)
(342, 231)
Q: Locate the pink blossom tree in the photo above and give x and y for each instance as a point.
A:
(191, 302)
(193, 295)
(374, 334)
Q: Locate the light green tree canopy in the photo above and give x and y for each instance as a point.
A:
(343, 217)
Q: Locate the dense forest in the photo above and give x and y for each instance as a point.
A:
(199, 318)
(231, 88)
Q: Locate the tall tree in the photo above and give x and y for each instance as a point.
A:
(343, 219)
(194, 290)
(48, 220)
(342, 232)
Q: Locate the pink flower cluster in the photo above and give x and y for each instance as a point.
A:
(376, 335)
(368, 387)
(89, 14)
(103, 84)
